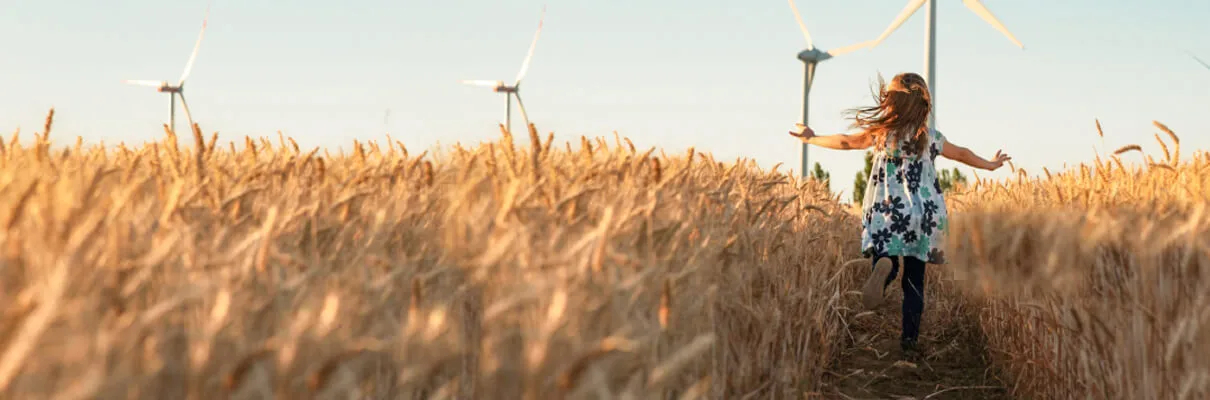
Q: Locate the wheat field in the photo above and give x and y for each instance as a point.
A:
(1094, 283)
(499, 271)
(589, 268)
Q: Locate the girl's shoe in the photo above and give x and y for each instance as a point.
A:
(875, 285)
(911, 351)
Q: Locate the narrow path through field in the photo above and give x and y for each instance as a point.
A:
(952, 364)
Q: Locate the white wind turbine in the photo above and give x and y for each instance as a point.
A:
(811, 57)
(179, 88)
(515, 89)
(930, 39)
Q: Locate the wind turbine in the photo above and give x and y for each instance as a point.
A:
(811, 57)
(515, 89)
(179, 88)
(930, 39)
(1199, 61)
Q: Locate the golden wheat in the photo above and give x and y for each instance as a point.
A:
(493, 272)
(1094, 287)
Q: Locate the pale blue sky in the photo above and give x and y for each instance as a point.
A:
(718, 75)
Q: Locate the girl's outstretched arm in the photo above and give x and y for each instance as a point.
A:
(965, 156)
(854, 141)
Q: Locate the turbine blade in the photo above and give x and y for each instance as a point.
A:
(482, 83)
(196, 46)
(805, 33)
(188, 116)
(983, 12)
(532, 45)
(847, 49)
(907, 12)
(155, 84)
(1199, 60)
(521, 106)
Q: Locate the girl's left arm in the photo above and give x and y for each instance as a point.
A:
(856, 141)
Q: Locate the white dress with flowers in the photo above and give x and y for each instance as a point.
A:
(903, 213)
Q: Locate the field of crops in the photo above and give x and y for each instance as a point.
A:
(543, 268)
(1095, 282)
(498, 271)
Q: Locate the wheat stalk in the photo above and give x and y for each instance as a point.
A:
(1126, 148)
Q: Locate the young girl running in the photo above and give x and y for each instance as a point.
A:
(903, 212)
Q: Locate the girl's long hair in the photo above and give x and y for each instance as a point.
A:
(901, 113)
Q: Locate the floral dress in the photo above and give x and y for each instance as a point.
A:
(903, 213)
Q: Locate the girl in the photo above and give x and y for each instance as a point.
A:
(903, 212)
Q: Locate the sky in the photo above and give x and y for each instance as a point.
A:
(717, 75)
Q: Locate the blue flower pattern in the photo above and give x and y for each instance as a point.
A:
(901, 215)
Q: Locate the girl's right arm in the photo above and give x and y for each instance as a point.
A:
(856, 141)
(965, 156)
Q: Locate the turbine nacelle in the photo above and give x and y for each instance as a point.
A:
(502, 88)
(160, 86)
(813, 55)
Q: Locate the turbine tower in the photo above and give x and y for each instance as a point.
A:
(930, 39)
(514, 90)
(179, 88)
(811, 57)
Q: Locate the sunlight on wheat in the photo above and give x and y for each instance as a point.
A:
(1094, 282)
(258, 269)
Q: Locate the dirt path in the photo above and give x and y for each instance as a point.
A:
(952, 363)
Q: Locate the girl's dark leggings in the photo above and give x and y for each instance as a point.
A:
(913, 292)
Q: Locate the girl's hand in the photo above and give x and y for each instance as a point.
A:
(802, 132)
(998, 161)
